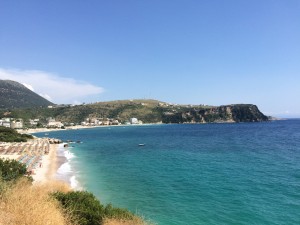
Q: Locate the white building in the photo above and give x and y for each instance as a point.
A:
(53, 123)
(33, 122)
(56, 124)
(134, 121)
(17, 124)
(5, 122)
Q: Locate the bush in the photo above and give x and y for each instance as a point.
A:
(83, 206)
(11, 135)
(87, 210)
(117, 213)
(11, 170)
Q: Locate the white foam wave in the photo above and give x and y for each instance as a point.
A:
(69, 155)
(64, 168)
(74, 183)
(65, 171)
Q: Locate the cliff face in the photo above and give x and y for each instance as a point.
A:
(228, 113)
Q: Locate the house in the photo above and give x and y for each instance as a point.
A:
(17, 124)
(33, 122)
(5, 122)
(133, 121)
(53, 123)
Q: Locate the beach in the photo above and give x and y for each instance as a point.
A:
(39, 155)
(38, 130)
(46, 158)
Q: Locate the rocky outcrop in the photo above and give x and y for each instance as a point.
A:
(221, 114)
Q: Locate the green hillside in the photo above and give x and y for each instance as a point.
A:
(149, 111)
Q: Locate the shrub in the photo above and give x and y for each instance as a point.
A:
(11, 170)
(87, 210)
(11, 135)
(82, 205)
(117, 213)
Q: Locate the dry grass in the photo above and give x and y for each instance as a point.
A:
(135, 221)
(123, 222)
(27, 204)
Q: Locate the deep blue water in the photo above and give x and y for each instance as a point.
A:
(246, 173)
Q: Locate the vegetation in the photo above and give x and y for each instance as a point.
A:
(52, 203)
(24, 203)
(85, 209)
(149, 111)
(19, 102)
(11, 135)
(11, 170)
(228, 113)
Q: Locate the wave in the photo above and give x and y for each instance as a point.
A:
(65, 171)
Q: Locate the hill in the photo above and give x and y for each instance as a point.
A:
(15, 95)
(149, 111)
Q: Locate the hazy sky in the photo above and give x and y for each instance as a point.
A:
(189, 51)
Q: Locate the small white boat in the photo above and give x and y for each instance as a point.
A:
(141, 144)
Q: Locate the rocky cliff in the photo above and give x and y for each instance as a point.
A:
(227, 113)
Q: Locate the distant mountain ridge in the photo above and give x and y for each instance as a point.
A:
(26, 104)
(148, 111)
(16, 95)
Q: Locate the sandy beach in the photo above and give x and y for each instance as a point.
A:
(38, 154)
(37, 130)
(48, 168)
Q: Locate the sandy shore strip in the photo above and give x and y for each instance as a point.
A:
(46, 171)
(77, 127)
(46, 130)
(38, 154)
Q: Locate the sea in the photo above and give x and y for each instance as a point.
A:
(186, 174)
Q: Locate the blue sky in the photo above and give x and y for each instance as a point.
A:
(195, 52)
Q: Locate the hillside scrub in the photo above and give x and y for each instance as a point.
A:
(52, 202)
(148, 111)
(11, 135)
(11, 170)
(24, 203)
(85, 209)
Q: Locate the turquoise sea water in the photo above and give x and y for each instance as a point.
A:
(247, 173)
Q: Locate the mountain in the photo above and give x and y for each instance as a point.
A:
(16, 95)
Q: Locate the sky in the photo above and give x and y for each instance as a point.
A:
(210, 52)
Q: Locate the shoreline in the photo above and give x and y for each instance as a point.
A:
(48, 167)
(40, 157)
(78, 127)
(55, 165)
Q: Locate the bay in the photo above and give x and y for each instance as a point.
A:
(245, 173)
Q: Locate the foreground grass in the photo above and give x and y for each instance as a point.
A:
(23, 203)
(55, 203)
